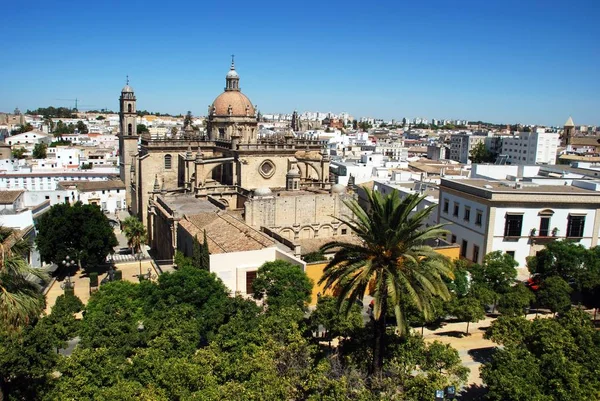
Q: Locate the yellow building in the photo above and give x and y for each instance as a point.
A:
(314, 271)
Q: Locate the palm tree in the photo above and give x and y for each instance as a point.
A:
(393, 261)
(135, 232)
(20, 296)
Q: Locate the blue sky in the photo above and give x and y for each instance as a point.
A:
(534, 62)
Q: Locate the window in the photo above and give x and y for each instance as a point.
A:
(544, 226)
(446, 205)
(575, 226)
(456, 207)
(478, 218)
(463, 248)
(467, 215)
(129, 129)
(129, 108)
(512, 225)
(511, 253)
(475, 253)
(453, 239)
(250, 277)
(344, 231)
(167, 162)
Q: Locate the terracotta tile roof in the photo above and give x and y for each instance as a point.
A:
(314, 244)
(9, 197)
(585, 141)
(85, 186)
(225, 233)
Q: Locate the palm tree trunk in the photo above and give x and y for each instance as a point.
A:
(468, 327)
(378, 345)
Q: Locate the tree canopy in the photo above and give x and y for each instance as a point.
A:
(184, 338)
(480, 154)
(79, 231)
(544, 359)
(282, 284)
(39, 151)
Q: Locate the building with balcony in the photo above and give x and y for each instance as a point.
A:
(518, 217)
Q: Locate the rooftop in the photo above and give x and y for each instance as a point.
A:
(524, 191)
(188, 204)
(86, 186)
(225, 233)
(9, 197)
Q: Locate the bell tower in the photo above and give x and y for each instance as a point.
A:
(128, 140)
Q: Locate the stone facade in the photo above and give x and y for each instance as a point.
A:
(230, 166)
(299, 216)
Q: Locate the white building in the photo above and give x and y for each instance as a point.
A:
(16, 213)
(538, 147)
(28, 140)
(32, 180)
(108, 195)
(462, 144)
(518, 217)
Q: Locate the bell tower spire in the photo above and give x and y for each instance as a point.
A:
(232, 80)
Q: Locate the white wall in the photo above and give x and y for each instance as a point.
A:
(464, 230)
(531, 219)
(231, 268)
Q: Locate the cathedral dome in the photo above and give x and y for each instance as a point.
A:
(240, 104)
(127, 89)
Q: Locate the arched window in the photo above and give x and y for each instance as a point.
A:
(167, 162)
(129, 108)
(129, 129)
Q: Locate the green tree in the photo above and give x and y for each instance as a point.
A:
(20, 296)
(25, 128)
(188, 121)
(508, 330)
(135, 232)
(18, 153)
(550, 359)
(316, 256)
(516, 301)
(141, 128)
(39, 151)
(468, 309)
(282, 284)
(327, 314)
(554, 294)
(81, 127)
(27, 360)
(364, 126)
(480, 154)
(205, 255)
(393, 257)
(196, 253)
(80, 231)
(497, 273)
(564, 259)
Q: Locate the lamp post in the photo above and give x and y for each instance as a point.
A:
(68, 263)
(139, 256)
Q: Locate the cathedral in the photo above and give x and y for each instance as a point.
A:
(279, 185)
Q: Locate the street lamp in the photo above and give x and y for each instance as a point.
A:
(68, 263)
(139, 256)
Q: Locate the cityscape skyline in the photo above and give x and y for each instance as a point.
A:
(508, 63)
